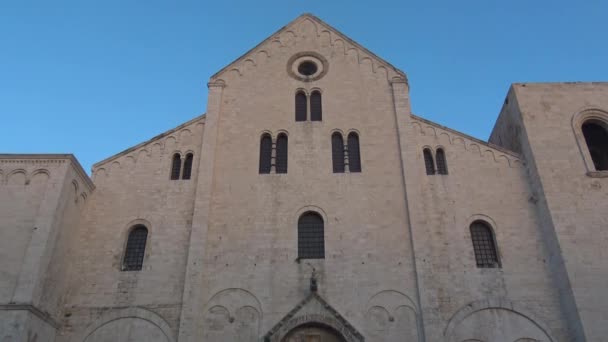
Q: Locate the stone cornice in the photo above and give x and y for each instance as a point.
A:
(22, 158)
(33, 310)
(158, 137)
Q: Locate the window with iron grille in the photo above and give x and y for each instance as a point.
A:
(428, 162)
(337, 152)
(188, 166)
(354, 156)
(265, 153)
(596, 137)
(484, 246)
(176, 165)
(281, 154)
(442, 166)
(311, 236)
(316, 108)
(136, 248)
(301, 106)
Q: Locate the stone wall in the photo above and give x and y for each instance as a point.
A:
(134, 187)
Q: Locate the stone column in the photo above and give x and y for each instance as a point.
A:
(191, 313)
(402, 110)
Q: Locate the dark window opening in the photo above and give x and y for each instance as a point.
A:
(136, 248)
(316, 108)
(337, 152)
(188, 166)
(596, 137)
(311, 236)
(354, 155)
(428, 162)
(301, 106)
(484, 247)
(281, 154)
(265, 153)
(307, 68)
(176, 165)
(442, 166)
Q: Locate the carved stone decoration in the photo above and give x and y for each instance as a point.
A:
(232, 315)
(313, 311)
(391, 316)
(495, 320)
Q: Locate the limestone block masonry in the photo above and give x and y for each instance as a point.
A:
(467, 241)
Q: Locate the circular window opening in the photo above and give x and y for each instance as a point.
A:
(307, 68)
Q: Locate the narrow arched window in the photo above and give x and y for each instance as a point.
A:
(428, 161)
(337, 152)
(596, 137)
(316, 107)
(265, 153)
(301, 106)
(281, 158)
(484, 245)
(136, 248)
(311, 236)
(188, 166)
(354, 156)
(442, 166)
(176, 165)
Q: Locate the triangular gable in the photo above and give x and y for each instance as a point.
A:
(313, 310)
(290, 31)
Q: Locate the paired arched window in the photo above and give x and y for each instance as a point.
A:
(316, 107)
(265, 153)
(311, 236)
(302, 102)
(136, 248)
(187, 173)
(442, 166)
(484, 245)
(176, 166)
(337, 152)
(280, 153)
(354, 155)
(596, 137)
(429, 162)
(349, 154)
(301, 106)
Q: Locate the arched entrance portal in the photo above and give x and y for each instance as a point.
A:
(313, 333)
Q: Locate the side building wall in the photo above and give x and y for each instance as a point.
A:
(571, 194)
(134, 187)
(41, 201)
(460, 300)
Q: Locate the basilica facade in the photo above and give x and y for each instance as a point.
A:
(310, 204)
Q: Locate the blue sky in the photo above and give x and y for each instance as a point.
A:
(96, 77)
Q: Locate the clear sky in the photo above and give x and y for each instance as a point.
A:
(96, 77)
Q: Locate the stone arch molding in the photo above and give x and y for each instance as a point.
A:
(126, 325)
(580, 117)
(232, 315)
(391, 316)
(307, 27)
(452, 138)
(495, 320)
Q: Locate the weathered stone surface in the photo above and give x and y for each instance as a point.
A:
(221, 259)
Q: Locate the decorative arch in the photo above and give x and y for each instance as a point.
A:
(232, 314)
(489, 304)
(588, 115)
(127, 313)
